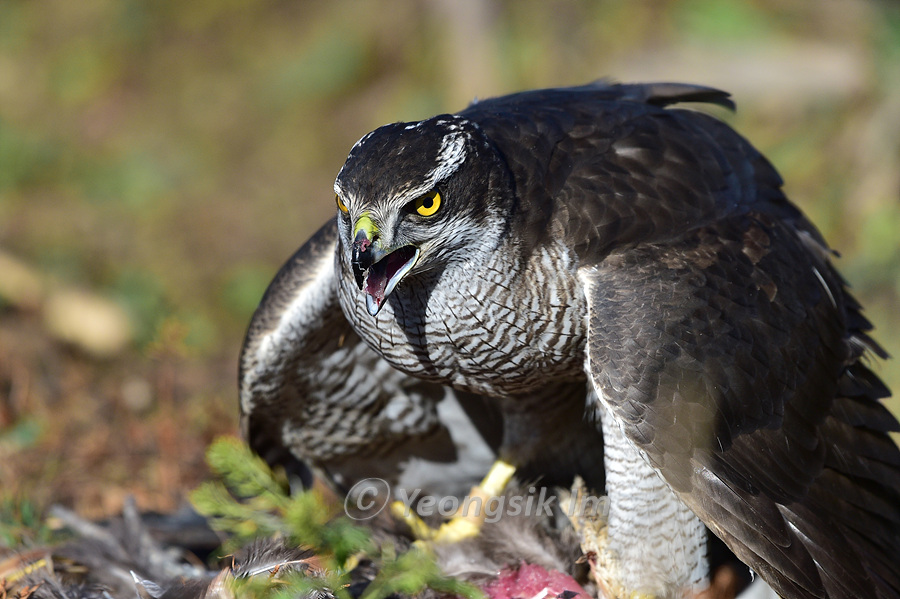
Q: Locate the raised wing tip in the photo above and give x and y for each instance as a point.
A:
(666, 93)
(657, 94)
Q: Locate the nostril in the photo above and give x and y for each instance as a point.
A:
(362, 242)
(363, 252)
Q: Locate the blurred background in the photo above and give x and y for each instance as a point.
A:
(159, 160)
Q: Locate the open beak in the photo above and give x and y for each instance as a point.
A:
(377, 272)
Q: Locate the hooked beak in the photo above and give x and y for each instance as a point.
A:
(377, 271)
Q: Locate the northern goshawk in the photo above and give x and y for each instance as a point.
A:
(577, 263)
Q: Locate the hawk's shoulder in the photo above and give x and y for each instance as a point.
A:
(614, 166)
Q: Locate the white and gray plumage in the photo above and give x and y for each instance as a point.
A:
(582, 260)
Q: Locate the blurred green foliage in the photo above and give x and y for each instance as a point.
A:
(22, 524)
(172, 154)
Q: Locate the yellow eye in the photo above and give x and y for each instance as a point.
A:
(343, 208)
(427, 204)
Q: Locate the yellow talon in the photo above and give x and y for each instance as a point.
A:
(419, 529)
(497, 478)
(352, 562)
(457, 529)
(462, 526)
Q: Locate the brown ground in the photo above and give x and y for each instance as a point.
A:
(85, 432)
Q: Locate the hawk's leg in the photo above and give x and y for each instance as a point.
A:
(654, 545)
(546, 435)
(466, 524)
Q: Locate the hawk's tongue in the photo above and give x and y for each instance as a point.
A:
(383, 276)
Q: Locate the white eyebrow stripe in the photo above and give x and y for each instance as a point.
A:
(451, 155)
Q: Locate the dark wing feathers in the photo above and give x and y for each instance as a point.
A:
(267, 375)
(600, 159)
(694, 329)
(564, 98)
(725, 341)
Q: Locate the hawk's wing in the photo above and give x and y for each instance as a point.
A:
(311, 390)
(720, 335)
(731, 358)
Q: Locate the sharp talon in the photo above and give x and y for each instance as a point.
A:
(462, 526)
(457, 529)
(351, 563)
(497, 478)
(419, 529)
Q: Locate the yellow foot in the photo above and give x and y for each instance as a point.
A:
(497, 478)
(457, 529)
(464, 525)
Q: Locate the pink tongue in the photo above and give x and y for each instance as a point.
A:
(380, 274)
(375, 285)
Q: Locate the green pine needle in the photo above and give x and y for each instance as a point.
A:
(411, 573)
(251, 501)
(245, 473)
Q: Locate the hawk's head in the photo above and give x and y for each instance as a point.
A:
(417, 196)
